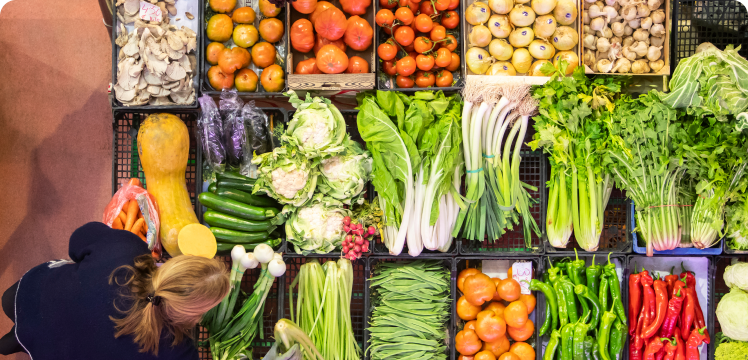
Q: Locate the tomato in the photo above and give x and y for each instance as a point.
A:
(320, 42)
(423, 23)
(438, 32)
(387, 51)
(245, 80)
(243, 15)
(508, 289)
(233, 59)
(331, 60)
(304, 6)
(453, 4)
(302, 35)
(422, 44)
(389, 67)
(389, 30)
(321, 6)
(451, 19)
(331, 24)
(404, 35)
(412, 54)
(357, 65)
(424, 79)
(355, 7)
(455, 64)
(444, 79)
(222, 6)
(449, 43)
(405, 15)
(218, 79)
(359, 33)
(387, 4)
(263, 54)
(211, 53)
(308, 66)
(272, 78)
(245, 35)
(427, 8)
(515, 315)
(271, 30)
(425, 62)
(269, 9)
(404, 81)
(521, 333)
(441, 5)
(406, 66)
(410, 49)
(384, 17)
(413, 6)
(219, 28)
(443, 57)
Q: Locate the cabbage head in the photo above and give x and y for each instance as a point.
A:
(344, 176)
(736, 275)
(731, 314)
(317, 226)
(286, 175)
(317, 128)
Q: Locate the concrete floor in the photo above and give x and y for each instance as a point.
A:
(55, 130)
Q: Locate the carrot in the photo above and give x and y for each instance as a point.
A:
(140, 214)
(122, 216)
(135, 181)
(136, 228)
(132, 214)
(117, 224)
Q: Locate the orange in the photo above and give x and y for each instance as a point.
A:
(497, 308)
(515, 314)
(529, 300)
(521, 333)
(497, 347)
(219, 28)
(485, 355)
(508, 356)
(508, 288)
(523, 350)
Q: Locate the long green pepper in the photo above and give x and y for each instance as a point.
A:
(567, 341)
(593, 276)
(563, 313)
(551, 305)
(615, 289)
(617, 339)
(587, 295)
(571, 307)
(589, 343)
(550, 349)
(580, 333)
(604, 293)
(577, 270)
(603, 334)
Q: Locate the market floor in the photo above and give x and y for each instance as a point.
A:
(55, 130)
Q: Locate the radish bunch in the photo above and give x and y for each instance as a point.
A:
(357, 239)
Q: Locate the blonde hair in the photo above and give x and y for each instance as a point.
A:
(173, 297)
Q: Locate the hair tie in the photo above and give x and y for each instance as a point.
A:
(155, 300)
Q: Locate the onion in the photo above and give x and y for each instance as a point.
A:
(535, 68)
(521, 59)
(501, 6)
(521, 1)
(499, 26)
(565, 12)
(565, 38)
(541, 49)
(480, 36)
(571, 58)
(521, 37)
(502, 68)
(544, 26)
(478, 60)
(477, 13)
(521, 16)
(500, 49)
(543, 7)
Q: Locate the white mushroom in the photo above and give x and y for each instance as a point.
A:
(184, 62)
(150, 78)
(175, 72)
(160, 100)
(175, 41)
(131, 48)
(122, 94)
(158, 90)
(132, 7)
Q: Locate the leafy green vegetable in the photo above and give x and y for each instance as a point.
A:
(728, 349)
(317, 127)
(286, 175)
(317, 226)
(737, 224)
(730, 310)
(344, 176)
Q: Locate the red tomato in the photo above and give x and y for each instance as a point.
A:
(308, 66)
(438, 32)
(422, 44)
(385, 16)
(444, 79)
(357, 65)
(443, 57)
(387, 51)
(390, 30)
(427, 8)
(441, 5)
(409, 49)
(410, 4)
(387, 4)
(425, 62)
(389, 67)
(425, 79)
(405, 15)
(404, 81)
(450, 42)
(404, 35)
(455, 64)
(406, 66)
(451, 19)
(453, 4)
(423, 23)
(331, 60)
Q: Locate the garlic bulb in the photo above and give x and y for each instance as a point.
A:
(597, 23)
(657, 40)
(628, 30)
(595, 11)
(600, 4)
(658, 16)
(627, 41)
(622, 65)
(642, 10)
(589, 58)
(654, 4)
(641, 34)
(656, 65)
(640, 67)
(646, 23)
(610, 12)
(610, 2)
(603, 44)
(586, 29)
(617, 28)
(585, 18)
(615, 40)
(646, 41)
(606, 32)
(589, 41)
(604, 66)
(636, 23)
(657, 30)
(624, 3)
(654, 53)
(640, 48)
(628, 53)
(629, 12)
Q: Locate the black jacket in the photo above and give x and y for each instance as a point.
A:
(63, 307)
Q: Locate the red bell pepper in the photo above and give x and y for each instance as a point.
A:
(635, 301)
(692, 345)
(688, 313)
(661, 307)
(649, 302)
(653, 346)
(673, 310)
(691, 283)
(680, 353)
(670, 280)
(671, 348)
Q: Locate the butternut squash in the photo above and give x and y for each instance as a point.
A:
(197, 240)
(163, 146)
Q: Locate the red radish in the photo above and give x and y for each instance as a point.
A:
(352, 253)
(372, 230)
(357, 248)
(345, 249)
(365, 247)
(347, 220)
(359, 240)
(346, 228)
(366, 242)
(348, 237)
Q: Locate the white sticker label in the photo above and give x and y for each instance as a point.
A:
(522, 272)
(150, 12)
(496, 268)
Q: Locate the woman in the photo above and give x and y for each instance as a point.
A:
(111, 301)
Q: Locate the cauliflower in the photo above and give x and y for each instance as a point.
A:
(317, 128)
(288, 183)
(344, 176)
(286, 176)
(316, 227)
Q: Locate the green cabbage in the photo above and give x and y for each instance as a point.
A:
(736, 275)
(317, 226)
(286, 175)
(317, 127)
(345, 175)
(730, 313)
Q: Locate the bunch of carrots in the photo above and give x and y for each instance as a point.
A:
(666, 321)
(130, 218)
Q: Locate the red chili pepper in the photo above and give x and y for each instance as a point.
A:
(649, 302)
(671, 347)
(635, 301)
(637, 343)
(680, 353)
(690, 276)
(653, 346)
(686, 320)
(660, 354)
(660, 289)
(680, 283)
(673, 310)
(691, 283)
(670, 280)
(692, 345)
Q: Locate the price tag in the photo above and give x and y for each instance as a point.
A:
(523, 271)
(150, 12)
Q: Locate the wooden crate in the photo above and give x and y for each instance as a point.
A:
(332, 82)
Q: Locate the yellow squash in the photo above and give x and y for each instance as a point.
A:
(163, 146)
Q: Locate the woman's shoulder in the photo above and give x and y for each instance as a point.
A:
(185, 350)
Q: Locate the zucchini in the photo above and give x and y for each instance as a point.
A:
(235, 208)
(228, 175)
(236, 184)
(226, 247)
(239, 237)
(212, 187)
(214, 218)
(247, 198)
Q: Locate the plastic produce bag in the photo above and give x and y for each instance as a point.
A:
(147, 204)
(256, 140)
(210, 133)
(230, 108)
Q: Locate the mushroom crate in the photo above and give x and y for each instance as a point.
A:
(154, 54)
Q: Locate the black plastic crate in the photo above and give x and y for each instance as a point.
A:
(269, 316)
(719, 289)
(359, 300)
(621, 263)
(727, 250)
(462, 263)
(125, 158)
(614, 237)
(720, 22)
(448, 263)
